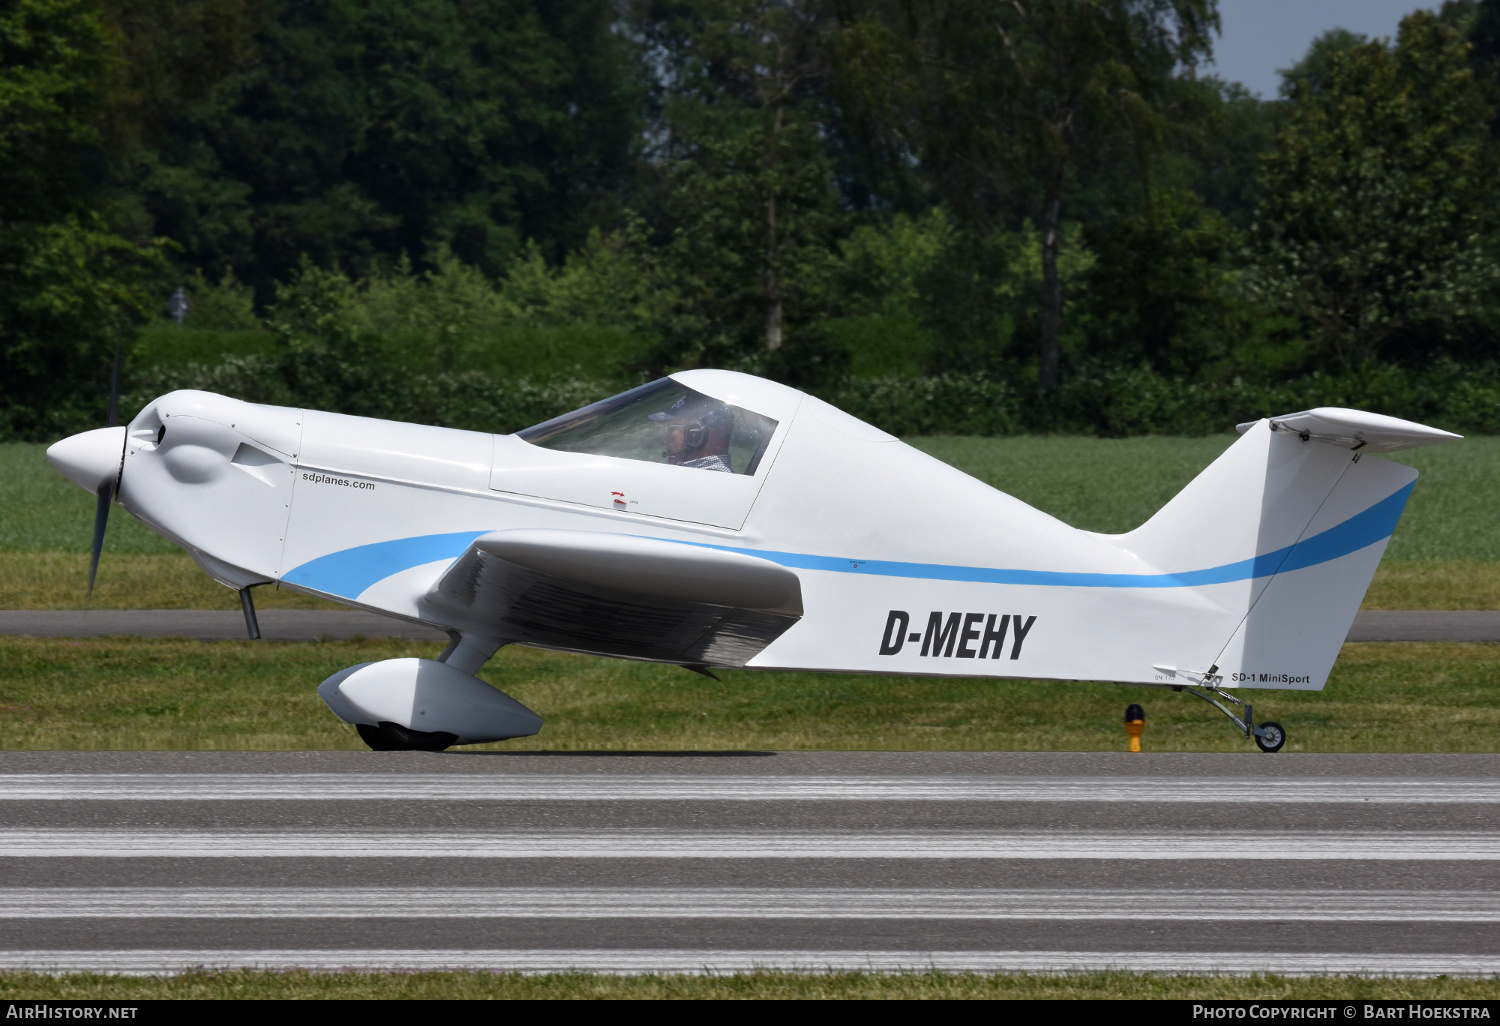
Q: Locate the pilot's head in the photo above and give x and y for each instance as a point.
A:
(694, 427)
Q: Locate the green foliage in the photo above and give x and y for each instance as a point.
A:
(1216, 150)
(1161, 287)
(468, 212)
(751, 204)
(70, 286)
(1483, 33)
(882, 266)
(69, 291)
(966, 404)
(227, 306)
(1377, 217)
(1314, 74)
(983, 300)
(351, 131)
(1113, 402)
(51, 71)
(881, 345)
(960, 303)
(401, 345)
(1010, 115)
(444, 345)
(606, 283)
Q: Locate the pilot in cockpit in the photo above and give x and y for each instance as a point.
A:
(697, 430)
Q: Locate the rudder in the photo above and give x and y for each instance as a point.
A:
(1289, 524)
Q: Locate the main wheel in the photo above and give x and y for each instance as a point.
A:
(1274, 737)
(392, 737)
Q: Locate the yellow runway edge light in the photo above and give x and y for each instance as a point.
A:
(1135, 724)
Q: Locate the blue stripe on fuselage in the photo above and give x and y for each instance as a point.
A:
(351, 571)
(1359, 531)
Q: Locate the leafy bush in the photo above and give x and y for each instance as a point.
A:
(1118, 402)
(227, 306)
(952, 404)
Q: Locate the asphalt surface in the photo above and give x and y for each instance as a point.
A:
(333, 625)
(156, 861)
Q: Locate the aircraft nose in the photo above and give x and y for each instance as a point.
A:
(90, 459)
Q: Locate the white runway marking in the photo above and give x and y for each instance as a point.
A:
(657, 787)
(744, 903)
(638, 961)
(674, 844)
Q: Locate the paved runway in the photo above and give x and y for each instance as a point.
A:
(316, 624)
(634, 862)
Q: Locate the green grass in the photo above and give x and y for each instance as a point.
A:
(1110, 485)
(1433, 584)
(59, 580)
(1115, 484)
(1445, 553)
(738, 986)
(132, 694)
(42, 511)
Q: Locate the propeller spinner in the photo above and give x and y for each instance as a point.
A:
(91, 460)
(94, 460)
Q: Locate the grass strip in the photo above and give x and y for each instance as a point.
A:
(1419, 584)
(1114, 485)
(300, 985)
(155, 694)
(127, 580)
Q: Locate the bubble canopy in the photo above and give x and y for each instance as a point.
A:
(662, 422)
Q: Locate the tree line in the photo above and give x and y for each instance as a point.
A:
(946, 214)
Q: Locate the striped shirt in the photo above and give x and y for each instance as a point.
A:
(720, 463)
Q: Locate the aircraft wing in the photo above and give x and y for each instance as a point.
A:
(619, 595)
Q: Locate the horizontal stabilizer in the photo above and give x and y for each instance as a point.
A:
(1355, 429)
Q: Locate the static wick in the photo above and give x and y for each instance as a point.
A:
(1135, 724)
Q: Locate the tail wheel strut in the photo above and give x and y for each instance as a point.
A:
(1269, 736)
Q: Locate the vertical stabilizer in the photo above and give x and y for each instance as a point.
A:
(1288, 525)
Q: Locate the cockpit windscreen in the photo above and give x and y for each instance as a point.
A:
(663, 422)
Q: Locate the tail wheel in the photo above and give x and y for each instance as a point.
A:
(1272, 739)
(392, 737)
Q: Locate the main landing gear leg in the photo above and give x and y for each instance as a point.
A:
(1269, 737)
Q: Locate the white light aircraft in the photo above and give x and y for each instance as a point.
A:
(714, 519)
